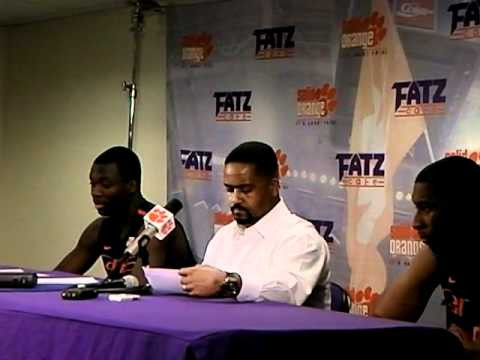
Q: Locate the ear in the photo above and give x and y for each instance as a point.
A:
(275, 186)
(132, 186)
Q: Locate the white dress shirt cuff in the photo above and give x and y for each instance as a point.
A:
(250, 290)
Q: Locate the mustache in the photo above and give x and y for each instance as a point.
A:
(238, 207)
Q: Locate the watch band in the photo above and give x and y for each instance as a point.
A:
(231, 285)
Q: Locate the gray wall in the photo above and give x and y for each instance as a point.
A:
(3, 67)
(61, 106)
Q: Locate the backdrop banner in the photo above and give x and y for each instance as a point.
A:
(355, 96)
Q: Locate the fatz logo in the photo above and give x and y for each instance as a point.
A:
(233, 105)
(361, 169)
(465, 22)
(324, 228)
(420, 98)
(197, 164)
(274, 43)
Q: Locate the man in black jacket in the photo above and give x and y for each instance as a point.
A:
(115, 188)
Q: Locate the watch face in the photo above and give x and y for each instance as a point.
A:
(230, 279)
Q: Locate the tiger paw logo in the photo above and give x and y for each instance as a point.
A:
(362, 300)
(314, 103)
(197, 48)
(283, 169)
(282, 162)
(157, 216)
(220, 219)
(365, 33)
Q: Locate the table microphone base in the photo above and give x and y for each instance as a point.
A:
(85, 293)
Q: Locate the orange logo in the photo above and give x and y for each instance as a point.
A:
(362, 300)
(315, 103)
(473, 155)
(403, 232)
(363, 32)
(404, 241)
(197, 48)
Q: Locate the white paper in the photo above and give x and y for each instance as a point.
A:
(15, 271)
(74, 280)
(123, 297)
(164, 281)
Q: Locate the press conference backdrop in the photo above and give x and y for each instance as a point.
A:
(355, 96)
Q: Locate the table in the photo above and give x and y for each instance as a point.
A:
(40, 325)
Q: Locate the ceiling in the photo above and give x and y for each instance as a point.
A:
(15, 12)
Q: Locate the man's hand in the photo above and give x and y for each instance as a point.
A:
(201, 280)
(471, 346)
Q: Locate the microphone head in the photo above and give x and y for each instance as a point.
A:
(130, 281)
(174, 206)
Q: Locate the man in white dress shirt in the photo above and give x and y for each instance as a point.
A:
(267, 253)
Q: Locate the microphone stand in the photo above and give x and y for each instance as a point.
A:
(131, 86)
(129, 256)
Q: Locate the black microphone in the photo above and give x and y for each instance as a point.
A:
(127, 284)
(18, 280)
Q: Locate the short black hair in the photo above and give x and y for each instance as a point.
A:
(127, 162)
(452, 177)
(455, 181)
(258, 154)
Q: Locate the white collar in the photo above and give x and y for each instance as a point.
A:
(268, 221)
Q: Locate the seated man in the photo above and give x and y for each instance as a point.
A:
(447, 196)
(115, 187)
(267, 252)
